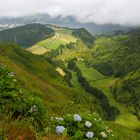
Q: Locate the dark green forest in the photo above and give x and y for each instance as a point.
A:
(27, 35)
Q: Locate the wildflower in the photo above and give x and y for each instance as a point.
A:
(60, 129)
(34, 108)
(69, 115)
(77, 118)
(14, 80)
(106, 127)
(88, 124)
(103, 134)
(52, 118)
(89, 135)
(95, 119)
(112, 135)
(59, 118)
(109, 131)
(11, 74)
(2, 66)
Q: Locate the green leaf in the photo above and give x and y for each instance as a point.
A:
(78, 135)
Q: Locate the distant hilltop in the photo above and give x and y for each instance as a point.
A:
(68, 21)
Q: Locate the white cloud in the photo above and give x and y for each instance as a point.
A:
(124, 12)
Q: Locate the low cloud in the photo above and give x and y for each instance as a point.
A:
(123, 12)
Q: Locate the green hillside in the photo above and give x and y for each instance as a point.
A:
(84, 35)
(126, 91)
(42, 79)
(100, 78)
(27, 35)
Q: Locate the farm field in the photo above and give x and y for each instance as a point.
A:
(62, 36)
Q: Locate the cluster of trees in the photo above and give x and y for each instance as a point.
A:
(127, 58)
(68, 77)
(127, 91)
(84, 35)
(109, 112)
(126, 64)
(121, 54)
(27, 35)
(105, 68)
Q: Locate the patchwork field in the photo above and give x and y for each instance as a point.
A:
(62, 36)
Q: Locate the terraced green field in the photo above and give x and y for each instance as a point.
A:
(79, 51)
(62, 36)
(103, 83)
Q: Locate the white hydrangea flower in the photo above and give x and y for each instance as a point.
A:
(52, 118)
(14, 80)
(89, 135)
(34, 108)
(77, 118)
(2, 66)
(109, 131)
(11, 74)
(88, 124)
(103, 134)
(60, 129)
(59, 118)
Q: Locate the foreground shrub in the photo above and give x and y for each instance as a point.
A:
(18, 102)
(81, 127)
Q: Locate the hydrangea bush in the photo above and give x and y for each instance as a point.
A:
(18, 102)
(81, 127)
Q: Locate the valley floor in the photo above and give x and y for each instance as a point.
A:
(103, 83)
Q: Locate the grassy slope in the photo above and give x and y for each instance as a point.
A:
(124, 133)
(42, 79)
(62, 36)
(103, 83)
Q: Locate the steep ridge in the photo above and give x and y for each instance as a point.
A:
(41, 78)
(103, 64)
(26, 35)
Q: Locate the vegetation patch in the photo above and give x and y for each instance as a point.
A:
(27, 35)
(109, 112)
(81, 127)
